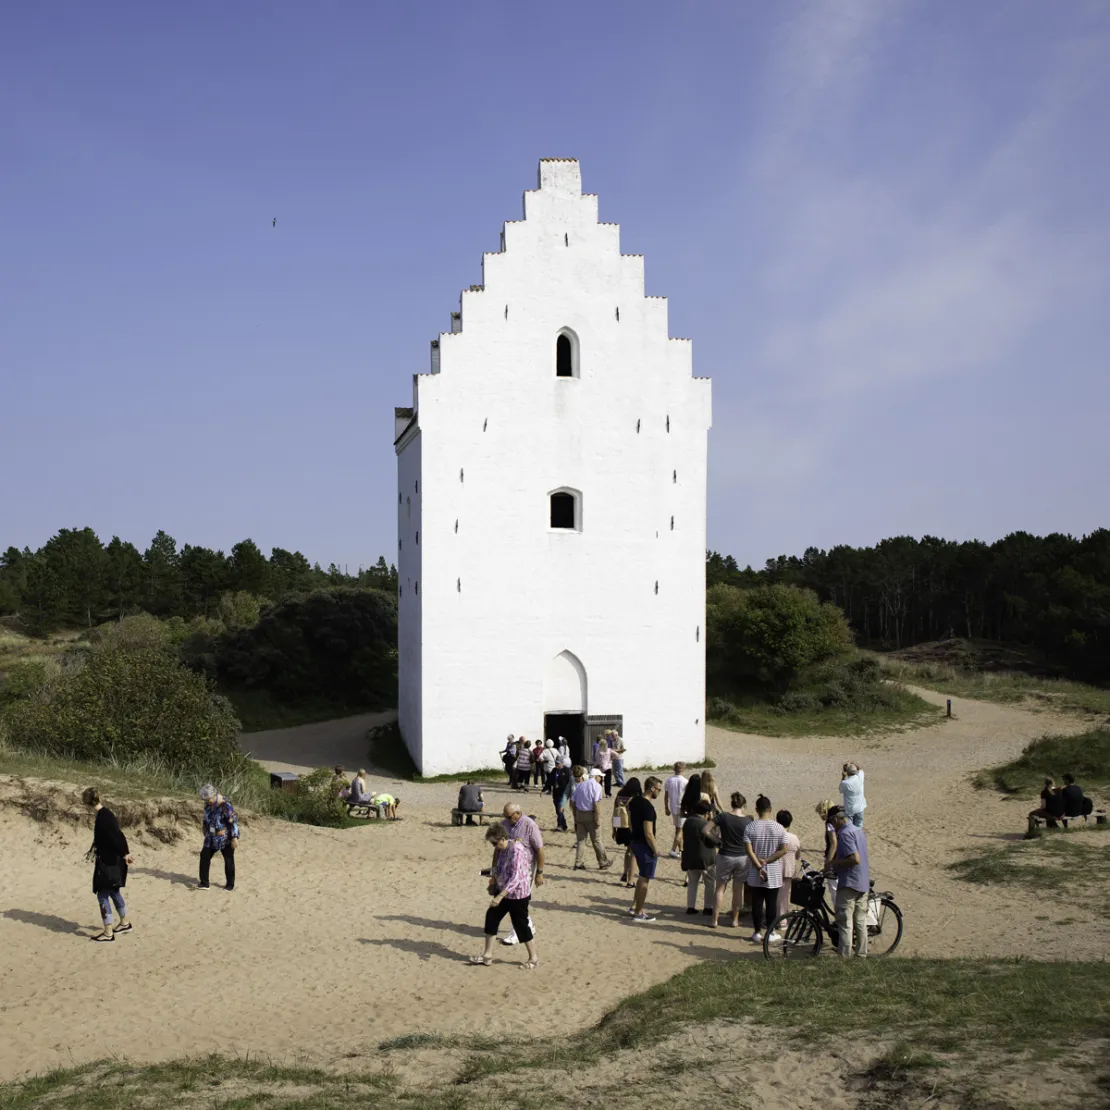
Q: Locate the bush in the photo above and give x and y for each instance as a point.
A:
(768, 637)
(126, 702)
(314, 802)
(719, 709)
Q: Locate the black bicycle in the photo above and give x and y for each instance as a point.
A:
(801, 932)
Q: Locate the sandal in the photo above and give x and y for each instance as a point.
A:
(481, 961)
(529, 965)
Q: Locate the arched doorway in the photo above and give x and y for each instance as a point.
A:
(565, 701)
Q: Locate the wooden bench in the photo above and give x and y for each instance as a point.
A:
(457, 816)
(1096, 815)
(363, 811)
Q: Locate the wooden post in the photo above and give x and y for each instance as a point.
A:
(949, 707)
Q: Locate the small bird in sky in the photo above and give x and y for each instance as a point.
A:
(275, 221)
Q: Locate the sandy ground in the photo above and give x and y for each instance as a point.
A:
(334, 940)
(323, 744)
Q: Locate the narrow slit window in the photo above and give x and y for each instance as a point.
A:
(564, 357)
(456, 527)
(418, 534)
(657, 587)
(697, 634)
(563, 511)
(416, 587)
(672, 529)
(458, 585)
(674, 477)
(668, 423)
(637, 427)
(460, 473)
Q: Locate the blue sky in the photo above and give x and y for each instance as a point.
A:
(884, 225)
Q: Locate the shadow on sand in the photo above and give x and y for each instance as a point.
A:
(47, 921)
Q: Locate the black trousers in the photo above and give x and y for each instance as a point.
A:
(228, 853)
(764, 903)
(517, 909)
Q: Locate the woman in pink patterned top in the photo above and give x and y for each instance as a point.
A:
(511, 887)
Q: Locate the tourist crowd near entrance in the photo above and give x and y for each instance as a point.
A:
(551, 504)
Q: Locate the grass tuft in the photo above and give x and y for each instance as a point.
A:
(1086, 755)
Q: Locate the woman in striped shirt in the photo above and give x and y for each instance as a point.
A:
(511, 887)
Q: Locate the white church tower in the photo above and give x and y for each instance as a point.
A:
(551, 505)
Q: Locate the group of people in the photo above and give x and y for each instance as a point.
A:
(358, 793)
(1060, 803)
(540, 763)
(716, 847)
(110, 855)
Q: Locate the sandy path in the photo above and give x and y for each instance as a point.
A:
(323, 744)
(335, 940)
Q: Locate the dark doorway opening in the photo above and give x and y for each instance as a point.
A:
(573, 727)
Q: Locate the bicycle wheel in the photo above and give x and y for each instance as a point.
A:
(883, 938)
(801, 936)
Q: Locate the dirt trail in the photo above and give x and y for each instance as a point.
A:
(334, 940)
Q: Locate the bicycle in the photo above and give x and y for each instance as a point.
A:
(802, 931)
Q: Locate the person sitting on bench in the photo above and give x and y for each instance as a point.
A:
(1052, 805)
(470, 801)
(360, 790)
(1073, 798)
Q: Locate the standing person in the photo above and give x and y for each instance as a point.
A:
(522, 829)
(604, 763)
(548, 759)
(789, 862)
(537, 764)
(221, 832)
(511, 888)
(642, 814)
(562, 748)
(111, 855)
(616, 746)
(523, 764)
(765, 842)
(586, 800)
(823, 809)
(699, 860)
(854, 871)
(673, 790)
(732, 858)
(470, 800)
(851, 790)
(709, 791)
(622, 824)
(508, 758)
(560, 792)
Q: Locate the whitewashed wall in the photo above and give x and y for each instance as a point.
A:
(501, 594)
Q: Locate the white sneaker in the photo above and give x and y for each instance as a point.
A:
(774, 938)
(674, 855)
(756, 938)
(510, 939)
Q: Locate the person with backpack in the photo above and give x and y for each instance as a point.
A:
(110, 856)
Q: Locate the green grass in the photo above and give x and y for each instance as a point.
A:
(1006, 687)
(1012, 1012)
(766, 719)
(258, 712)
(1085, 755)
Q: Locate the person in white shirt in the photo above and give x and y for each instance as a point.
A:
(673, 789)
(585, 800)
(851, 789)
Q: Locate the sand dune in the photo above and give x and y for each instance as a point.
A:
(334, 940)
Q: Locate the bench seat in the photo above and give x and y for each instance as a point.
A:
(458, 815)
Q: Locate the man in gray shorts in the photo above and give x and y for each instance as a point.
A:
(732, 858)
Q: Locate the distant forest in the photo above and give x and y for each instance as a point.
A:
(75, 580)
(1051, 593)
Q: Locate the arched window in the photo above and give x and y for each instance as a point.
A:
(566, 509)
(566, 354)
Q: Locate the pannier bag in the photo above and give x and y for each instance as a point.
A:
(874, 910)
(807, 891)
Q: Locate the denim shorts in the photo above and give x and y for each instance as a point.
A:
(645, 860)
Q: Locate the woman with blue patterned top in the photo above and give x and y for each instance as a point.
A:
(221, 831)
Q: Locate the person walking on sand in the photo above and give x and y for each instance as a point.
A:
(732, 859)
(221, 834)
(522, 829)
(510, 886)
(604, 763)
(765, 843)
(622, 825)
(508, 758)
(585, 799)
(561, 782)
(548, 759)
(110, 855)
(673, 789)
(523, 764)
(854, 886)
(851, 790)
(642, 814)
(616, 746)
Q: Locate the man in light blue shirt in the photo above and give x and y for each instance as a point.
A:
(854, 883)
(851, 789)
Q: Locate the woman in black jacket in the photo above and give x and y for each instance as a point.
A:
(112, 855)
